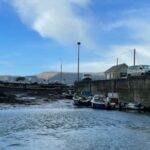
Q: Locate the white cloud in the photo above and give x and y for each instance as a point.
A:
(56, 19)
(137, 28)
(135, 22)
(60, 21)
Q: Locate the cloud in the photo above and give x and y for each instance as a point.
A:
(137, 29)
(65, 22)
(58, 20)
(135, 22)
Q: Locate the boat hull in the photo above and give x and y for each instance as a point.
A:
(98, 106)
(81, 103)
(87, 103)
(69, 96)
(134, 108)
(76, 102)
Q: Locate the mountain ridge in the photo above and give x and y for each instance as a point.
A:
(47, 77)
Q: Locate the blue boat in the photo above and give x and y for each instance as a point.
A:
(86, 93)
(98, 102)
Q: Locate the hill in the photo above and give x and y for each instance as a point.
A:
(48, 77)
(67, 77)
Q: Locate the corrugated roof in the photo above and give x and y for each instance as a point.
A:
(116, 68)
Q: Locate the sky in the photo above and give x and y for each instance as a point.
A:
(37, 36)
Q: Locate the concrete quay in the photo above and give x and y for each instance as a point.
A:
(132, 89)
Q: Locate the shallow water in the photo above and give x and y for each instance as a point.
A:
(61, 126)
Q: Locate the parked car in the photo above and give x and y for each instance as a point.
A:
(87, 77)
(138, 70)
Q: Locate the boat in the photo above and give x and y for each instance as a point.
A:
(98, 102)
(112, 100)
(68, 94)
(86, 93)
(134, 106)
(81, 101)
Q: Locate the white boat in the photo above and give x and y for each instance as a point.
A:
(134, 106)
(98, 102)
(112, 100)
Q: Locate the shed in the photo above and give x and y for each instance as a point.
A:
(116, 72)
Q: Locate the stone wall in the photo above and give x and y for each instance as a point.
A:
(133, 89)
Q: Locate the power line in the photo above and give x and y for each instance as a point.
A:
(115, 56)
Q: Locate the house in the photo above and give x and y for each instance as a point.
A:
(116, 72)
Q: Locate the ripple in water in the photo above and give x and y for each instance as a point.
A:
(60, 126)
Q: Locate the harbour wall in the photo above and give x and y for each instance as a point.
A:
(132, 89)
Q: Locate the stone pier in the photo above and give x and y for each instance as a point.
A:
(132, 89)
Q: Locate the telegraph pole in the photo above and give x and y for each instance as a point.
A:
(134, 57)
(78, 43)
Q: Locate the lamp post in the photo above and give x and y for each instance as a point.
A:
(134, 57)
(78, 43)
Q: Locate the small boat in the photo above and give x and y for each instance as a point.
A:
(68, 94)
(134, 106)
(112, 100)
(76, 100)
(81, 101)
(86, 93)
(98, 102)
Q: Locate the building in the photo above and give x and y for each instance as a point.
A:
(116, 72)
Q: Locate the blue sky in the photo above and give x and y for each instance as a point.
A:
(35, 36)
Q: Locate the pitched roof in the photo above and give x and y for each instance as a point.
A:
(116, 68)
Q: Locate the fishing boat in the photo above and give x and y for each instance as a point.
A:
(68, 94)
(134, 106)
(81, 101)
(112, 100)
(86, 93)
(98, 102)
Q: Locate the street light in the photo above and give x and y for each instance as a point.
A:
(78, 43)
